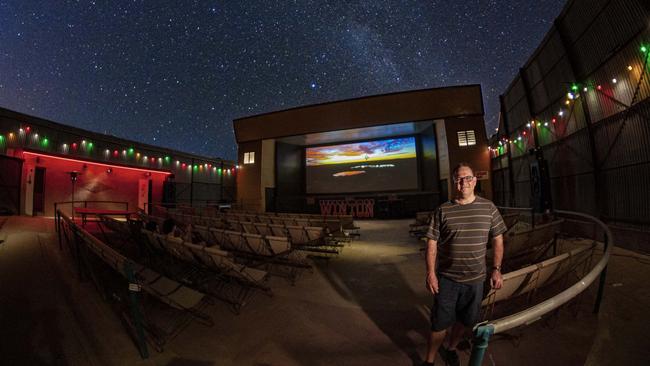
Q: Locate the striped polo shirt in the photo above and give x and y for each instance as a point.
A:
(462, 233)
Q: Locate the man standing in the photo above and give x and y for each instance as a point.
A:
(456, 247)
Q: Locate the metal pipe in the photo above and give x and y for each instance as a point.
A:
(482, 334)
(534, 313)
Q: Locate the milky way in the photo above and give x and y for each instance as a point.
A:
(177, 75)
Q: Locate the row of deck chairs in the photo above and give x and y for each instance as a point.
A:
(207, 268)
(522, 247)
(343, 225)
(175, 294)
(235, 282)
(527, 280)
(275, 253)
(315, 239)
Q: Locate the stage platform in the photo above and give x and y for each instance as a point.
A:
(366, 307)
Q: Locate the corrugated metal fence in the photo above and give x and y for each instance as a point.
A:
(596, 139)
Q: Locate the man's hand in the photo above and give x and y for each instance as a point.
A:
(496, 281)
(432, 283)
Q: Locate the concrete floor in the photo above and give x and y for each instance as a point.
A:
(366, 307)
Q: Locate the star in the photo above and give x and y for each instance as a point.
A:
(126, 67)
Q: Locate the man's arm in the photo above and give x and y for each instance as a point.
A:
(432, 279)
(496, 280)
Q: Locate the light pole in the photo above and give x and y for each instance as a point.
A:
(73, 179)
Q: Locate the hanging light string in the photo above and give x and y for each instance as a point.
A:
(574, 93)
(28, 137)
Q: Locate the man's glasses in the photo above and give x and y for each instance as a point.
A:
(467, 179)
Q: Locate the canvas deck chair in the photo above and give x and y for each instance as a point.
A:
(276, 220)
(235, 283)
(118, 233)
(578, 257)
(518, 242)
(176, 247)
(218, 260)
(510, 219)
(250, 218)
(316, 222)
(315, 243)
(298, 235)
(235, 225)
(218, 237)
(301, 221)
(288, 221)
(336, 231)
(219, 281)
(153, 244)
(203, 232)
(284, 261)
(278, 229)
(249, 227)
(320, 243)
(263, 229)
(264, 219)
(234, 241)
(257, 245)
(528, 280)
(278, 244)
(175, 295)
(421, 224)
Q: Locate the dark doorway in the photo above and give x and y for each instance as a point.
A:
(269, 193)
(150, 197)
(39, 192)
(444, 191)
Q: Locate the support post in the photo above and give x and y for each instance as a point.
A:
(482, 334)
(601, 283)
(134, 288)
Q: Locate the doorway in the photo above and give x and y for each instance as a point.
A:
(38, 207)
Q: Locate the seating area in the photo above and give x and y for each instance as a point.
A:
(314, 235)
(527, 281)
(367, 299)
(105, 266)
(208, 269)
(340, 226)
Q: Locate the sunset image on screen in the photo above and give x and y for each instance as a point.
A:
(391, 149)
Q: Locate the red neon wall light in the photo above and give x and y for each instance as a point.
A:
(95, 163)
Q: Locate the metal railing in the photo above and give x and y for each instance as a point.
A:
(83, 204)
(484, 331)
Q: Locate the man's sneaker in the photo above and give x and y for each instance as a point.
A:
(450, 357)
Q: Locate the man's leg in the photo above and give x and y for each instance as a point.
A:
(457, 332)
(443, 316)
(435, 340)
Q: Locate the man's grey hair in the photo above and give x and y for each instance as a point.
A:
(462, 165)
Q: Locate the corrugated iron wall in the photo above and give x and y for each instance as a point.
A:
(597, 143)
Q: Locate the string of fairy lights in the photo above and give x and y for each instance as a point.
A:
(576, 90)
(27, 137)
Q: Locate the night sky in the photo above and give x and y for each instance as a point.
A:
(177, 75)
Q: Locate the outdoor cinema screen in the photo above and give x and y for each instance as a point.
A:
(380, 165)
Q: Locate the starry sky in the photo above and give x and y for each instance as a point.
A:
(177, 75)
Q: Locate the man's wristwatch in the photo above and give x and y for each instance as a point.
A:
(497, 268)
